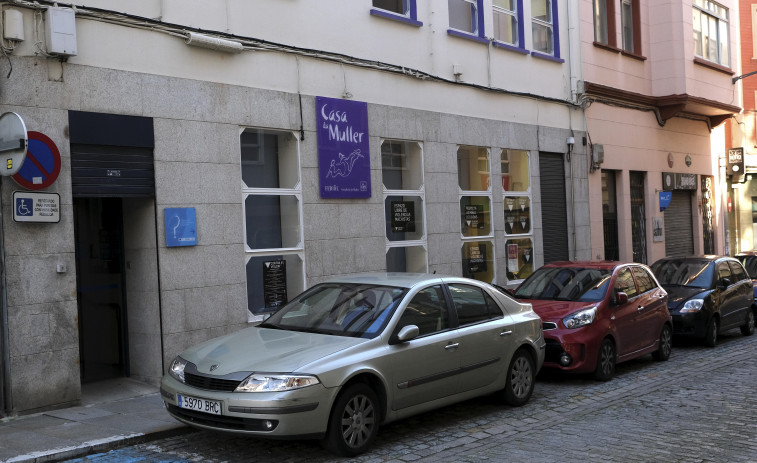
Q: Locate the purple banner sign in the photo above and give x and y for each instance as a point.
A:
(344, 157)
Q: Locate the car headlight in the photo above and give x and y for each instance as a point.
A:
(694, 305)
(580, 318)
(177, 368)
(275, 383)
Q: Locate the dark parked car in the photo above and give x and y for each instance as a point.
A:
(597, 314)
(708, 295)
(749, 261)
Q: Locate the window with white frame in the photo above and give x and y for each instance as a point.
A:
(405, 10)
(476, 230)
(507, 21)
(516, 188)
(711, 34)
(404, 206)
(272, 205)
(544, 27)
(465, 16)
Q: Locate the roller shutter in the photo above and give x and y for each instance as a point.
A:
(554, 215)
(679, 233)
(111, 155)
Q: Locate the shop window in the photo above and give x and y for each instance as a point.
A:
(404, 206)
(474, 181)
(516, 188)
(508, 22)
(711, 34)
(544, 27)
(272, 205)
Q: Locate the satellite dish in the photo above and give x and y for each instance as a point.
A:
(13, 143)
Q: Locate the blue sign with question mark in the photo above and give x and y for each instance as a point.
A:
(181, 226)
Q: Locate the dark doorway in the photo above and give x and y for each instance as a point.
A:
(638, 220)
(610, 215)
(554, 218)
(98, 226)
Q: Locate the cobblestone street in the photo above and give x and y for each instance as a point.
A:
(697, 407)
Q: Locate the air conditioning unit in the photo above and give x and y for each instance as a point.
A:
(597, 154)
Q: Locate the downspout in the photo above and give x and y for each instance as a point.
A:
(5, 386)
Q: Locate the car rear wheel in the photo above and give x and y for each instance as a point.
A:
(520, 379)
(711, 333)
(605, 361)
(354, 421)
(666, 344)
(747, 329)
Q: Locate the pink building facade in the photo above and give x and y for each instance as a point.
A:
(657, 81)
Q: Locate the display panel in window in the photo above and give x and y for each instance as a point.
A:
(272, 221)
(516, 175)
(517, 215)
(404, 218)
(478, 260)
(519, 254)
(272, 281)
(269, 159)
(406, 259)
(475, 216)
(473, 173)
(401, 165)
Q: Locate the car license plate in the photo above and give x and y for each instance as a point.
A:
(200, 405)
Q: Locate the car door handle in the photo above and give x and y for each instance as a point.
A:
(641, 307)
(506, 333)
(452, 346)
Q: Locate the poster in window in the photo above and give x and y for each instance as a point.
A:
(403, 216)
(343, 150)
(512, 258)
(274, 283)
(477, 258)
(474, 216)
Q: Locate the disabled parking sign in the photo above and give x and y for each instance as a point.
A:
(36, 207)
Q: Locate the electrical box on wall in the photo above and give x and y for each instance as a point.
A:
(13, 25)
(60, 31)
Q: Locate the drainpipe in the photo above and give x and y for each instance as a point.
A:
(5, 359)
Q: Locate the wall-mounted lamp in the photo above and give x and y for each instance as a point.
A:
(213, 43)
(570, 141)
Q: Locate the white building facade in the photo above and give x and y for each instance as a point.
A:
(216, 158)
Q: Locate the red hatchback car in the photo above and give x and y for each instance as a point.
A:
(597, 314)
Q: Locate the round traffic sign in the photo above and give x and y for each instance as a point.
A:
(42, 164)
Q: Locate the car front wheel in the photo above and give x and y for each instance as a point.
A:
(666, 344)
(354, 421)
(605, 361)
(520, 379)
(711, 333)
(747, 329)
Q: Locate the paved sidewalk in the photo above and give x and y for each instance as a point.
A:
(112, 413)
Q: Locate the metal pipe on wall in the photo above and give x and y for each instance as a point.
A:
(5, 386)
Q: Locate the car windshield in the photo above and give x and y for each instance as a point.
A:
(342, 309)
(750, 264)
(684, 272)
(566, 284)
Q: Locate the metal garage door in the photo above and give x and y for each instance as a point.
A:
(554, 212)
(679, 234)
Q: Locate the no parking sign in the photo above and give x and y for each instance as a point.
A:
(42, 164)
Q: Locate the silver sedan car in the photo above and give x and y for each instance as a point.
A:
(352, 353)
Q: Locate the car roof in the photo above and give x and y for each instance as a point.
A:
(398, 279)
(709, 257)
(598, 264)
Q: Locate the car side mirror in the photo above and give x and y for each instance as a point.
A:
(406, 333)
(621, 298)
